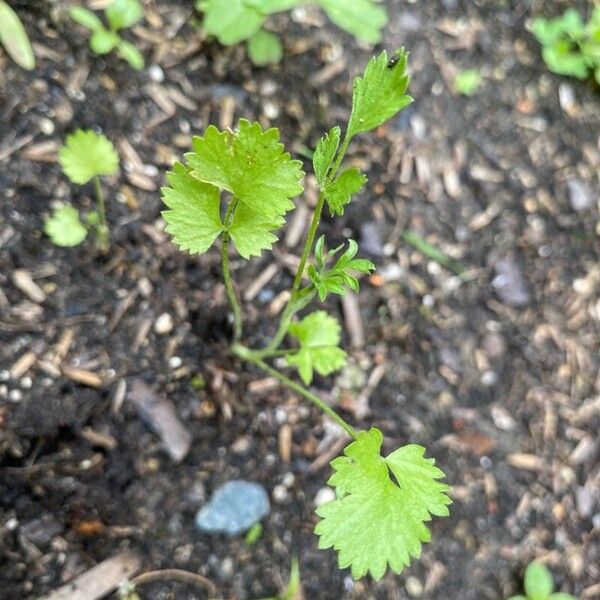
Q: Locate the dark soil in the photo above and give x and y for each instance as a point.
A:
(501, 385)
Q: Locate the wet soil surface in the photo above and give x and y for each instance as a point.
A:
(495, 372)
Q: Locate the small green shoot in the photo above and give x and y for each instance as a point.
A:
(467, 82)
(254, 534)
(14, 38)
(432, 252)
(85, 156)
(236, 187)
(292, 591)
(539, 585)
(235, 21)
(120, 14)
(569, 45)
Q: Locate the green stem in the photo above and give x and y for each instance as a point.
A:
(233, 301)
(249, 355)
(290, 308)
(102, 229)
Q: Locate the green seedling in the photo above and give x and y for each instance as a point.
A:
(237, 186)
(85, 156)
(539, 585)
(467, 82)
(570, 46)
(120, 14)
(14, 38)
(235, 21)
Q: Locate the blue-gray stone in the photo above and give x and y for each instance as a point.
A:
(234, 508)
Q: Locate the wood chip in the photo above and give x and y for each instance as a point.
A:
(100, 580)
(585, 451)
(24, 282)
(123, 306)
(159, 413)
(46, 152)
(451, 181)
(297, 225)
(353, 320)
(104, 440)
(22, 365)
(285, 442)
(526, 462)
(260, 386)
(362, 401)
(259, 282)
(82, 376)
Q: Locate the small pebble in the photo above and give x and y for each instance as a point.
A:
(234, 508)
(156, 74)
(175, 362)
(226, 568)
(288, 480)
(280, 494)
(4, 375)
(580, 197)
(15, 395)
(26, 383)
(270, 110)
(414, 587)
(489, 378)
(46, 126)
(164, 324)
(325, 494)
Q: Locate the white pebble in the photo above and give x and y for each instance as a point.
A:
(288, 480)
(164, 324)
(15, 395)
(489, 378)
(280, 494)
(4, 375)
(414, 587)
(156, 74)
(46, 126)
(270, 110)
(325, 494)
(26, 383)
(175, 362)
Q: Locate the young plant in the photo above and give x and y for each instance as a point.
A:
(234, 21)
(539, 585)
(570, 46)
(119, 15)
(85, 156)
(14, 39)
(238, 186)
(467, 82)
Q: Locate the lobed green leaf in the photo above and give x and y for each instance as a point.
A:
(364, 19)
(378, 519)
(251, 164)
(380, 93)
(251, 232)
(318, 335)
(340, 191)
(193, 218)
(87, 154)
(230, 21)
